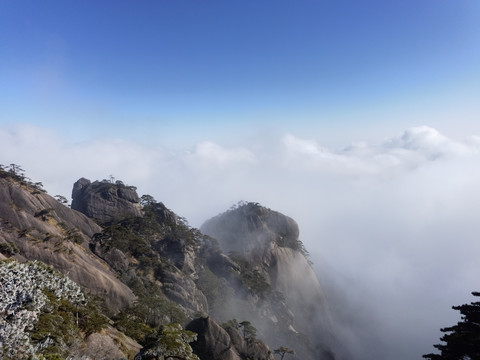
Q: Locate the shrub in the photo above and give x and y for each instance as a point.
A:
(74, 236)
(147, 315)
(8, 249)
(251, 278)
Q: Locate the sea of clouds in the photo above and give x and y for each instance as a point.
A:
(392, 227)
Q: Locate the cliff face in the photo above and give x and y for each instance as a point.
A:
(269, 243)
(216, 343)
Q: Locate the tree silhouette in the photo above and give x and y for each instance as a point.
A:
(62, 199)
(282, 350)
(249, 331)
(147, 200)
(232, 323)
(462, 341)
(16, 169)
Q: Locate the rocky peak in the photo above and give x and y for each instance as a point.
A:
(251, 229)
(268, 242)
(105, 201)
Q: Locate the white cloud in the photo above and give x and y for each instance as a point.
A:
(301, 146)
(395, 222)
(415, 147)
(210, 151)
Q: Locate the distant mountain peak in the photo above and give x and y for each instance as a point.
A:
(250, 228)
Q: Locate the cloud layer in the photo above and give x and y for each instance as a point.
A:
(392, 227)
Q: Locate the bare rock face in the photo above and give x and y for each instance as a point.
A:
(35, 226)
(222, 265)
(213, 342)
(112, 256)
(216, 343)
(182, 290)
(105, 201)
(102, 346)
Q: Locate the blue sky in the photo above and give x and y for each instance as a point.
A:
(212, 67)
(360, 119)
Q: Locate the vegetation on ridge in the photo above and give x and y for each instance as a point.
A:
(16, 173)
(254, 212)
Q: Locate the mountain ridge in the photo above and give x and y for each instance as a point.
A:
(160, 270)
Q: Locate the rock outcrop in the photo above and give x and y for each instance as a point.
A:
(213, 342)
(104, 201)
(216, 343)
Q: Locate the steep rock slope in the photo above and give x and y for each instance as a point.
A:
(268, 242)
(35, 226)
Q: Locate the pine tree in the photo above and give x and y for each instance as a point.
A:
(282, 350)
(249, 331)
(462, 341)
(173, 342)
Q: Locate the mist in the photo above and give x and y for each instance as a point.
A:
(391, 226)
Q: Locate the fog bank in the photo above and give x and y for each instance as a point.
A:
(391, 226)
